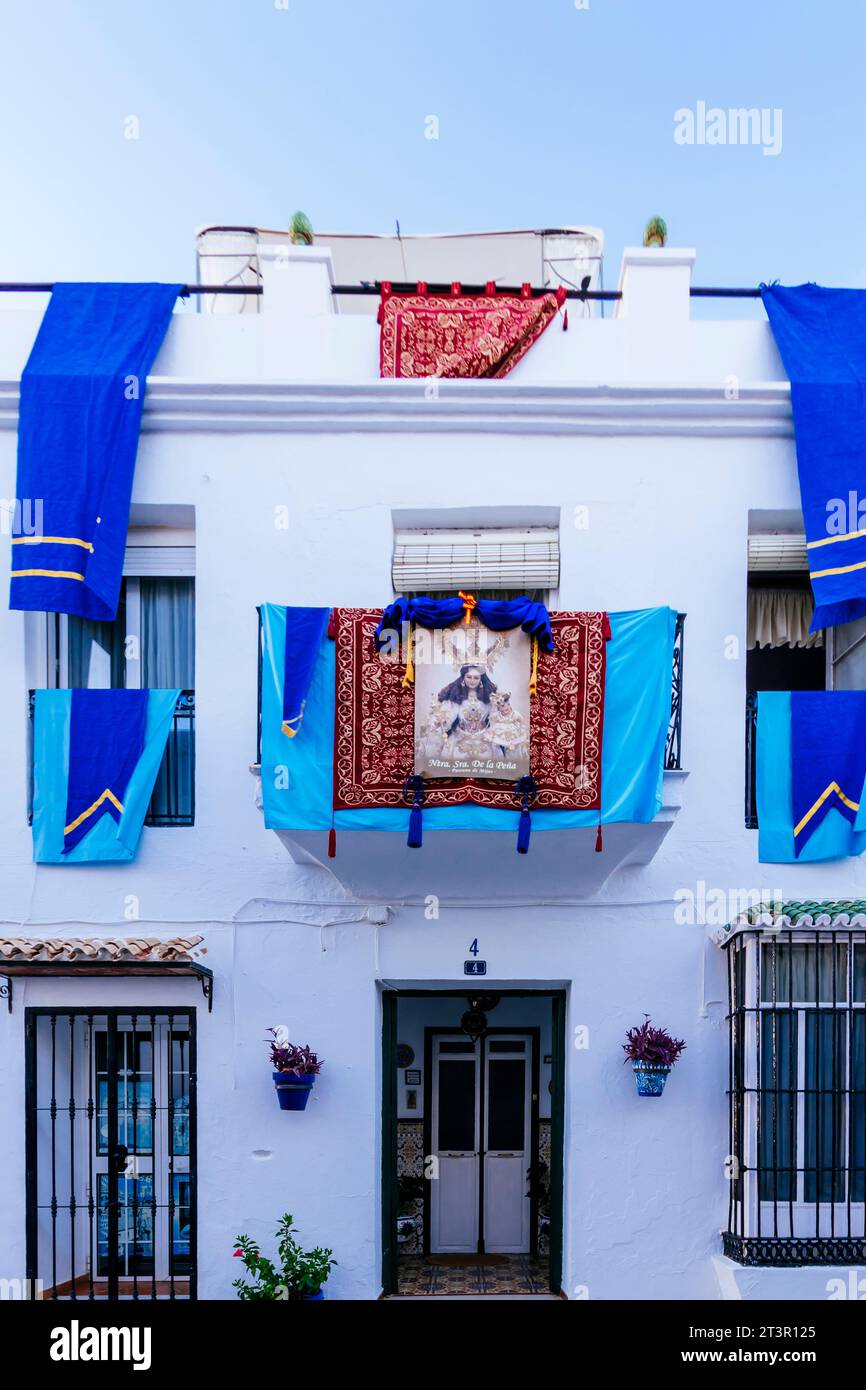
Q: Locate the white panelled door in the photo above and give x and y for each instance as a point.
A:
(507, 1143)
(481, 1126)
(456, 1128)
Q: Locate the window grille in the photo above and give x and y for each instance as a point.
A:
(797, 1097)
(110, 1129)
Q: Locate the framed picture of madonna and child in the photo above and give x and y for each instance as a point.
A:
(472, 705)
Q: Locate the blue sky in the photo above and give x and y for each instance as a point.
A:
(549, 114)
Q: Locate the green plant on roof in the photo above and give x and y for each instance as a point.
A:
(300, 230)
(656, 232)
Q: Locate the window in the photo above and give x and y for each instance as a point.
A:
(497, 559)
(797, 1097)
(110, 1117)
(151, 644)
(781, 652)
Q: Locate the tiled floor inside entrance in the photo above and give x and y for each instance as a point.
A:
(510, 1274)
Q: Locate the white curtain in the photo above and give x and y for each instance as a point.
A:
(167, 633)
(781, 618)
(168, 659)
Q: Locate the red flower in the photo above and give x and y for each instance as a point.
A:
(238, 1254)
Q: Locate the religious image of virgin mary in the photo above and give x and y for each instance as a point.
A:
(457, 727)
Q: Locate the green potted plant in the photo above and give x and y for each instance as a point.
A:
(652, 1052)
(300, 229)
(295, 1069)
(298, 1277)
(656, 232)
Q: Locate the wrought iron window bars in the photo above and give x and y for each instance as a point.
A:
(110, 1132)
(796, 1097)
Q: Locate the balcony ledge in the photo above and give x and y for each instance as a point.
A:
(482, 866)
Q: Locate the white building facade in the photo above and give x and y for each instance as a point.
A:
(275, 466)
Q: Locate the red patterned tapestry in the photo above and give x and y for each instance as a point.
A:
(427, 335)
(375, 721)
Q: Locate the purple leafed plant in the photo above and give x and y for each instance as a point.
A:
(653, 1046)
(290, 1057)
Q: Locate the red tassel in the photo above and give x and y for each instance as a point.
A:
(561, 295)
(332, 843)
(490, 289)
(422, 287)
(332, 625)
(456, 288)
(599, 844)
(565, 322)
(526, 290)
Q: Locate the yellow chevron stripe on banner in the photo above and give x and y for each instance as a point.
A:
(833, 787)
(107, 795)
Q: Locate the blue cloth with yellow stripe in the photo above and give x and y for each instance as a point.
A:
(96, 757)
(821, 337)
(810, 774)
(82, 394)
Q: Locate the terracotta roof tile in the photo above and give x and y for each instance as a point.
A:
(818, 912)
(104, 948)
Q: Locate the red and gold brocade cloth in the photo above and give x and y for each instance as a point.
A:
(374, 733)
(460, 335)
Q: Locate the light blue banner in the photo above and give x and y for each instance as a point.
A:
(107, 841)
(297, 773)
(834, 838)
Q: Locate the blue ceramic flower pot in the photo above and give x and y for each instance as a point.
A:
(650, 1080)
(293, 1090)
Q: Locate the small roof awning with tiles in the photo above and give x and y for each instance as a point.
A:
(818, 914)
(141, 956)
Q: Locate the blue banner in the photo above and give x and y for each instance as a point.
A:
(82, 394)
(828, 757)
(96, 756)
(106, 736)
(305, 628)
(821, 337)
(809, 783)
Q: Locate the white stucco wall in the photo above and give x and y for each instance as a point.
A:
(670, 470)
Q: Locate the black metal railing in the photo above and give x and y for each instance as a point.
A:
(673, 743)
(173, 799)
(797, 1097)
(751, 749)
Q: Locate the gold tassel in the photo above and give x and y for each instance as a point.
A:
(469, 604)
(533, 676)
(409, 677)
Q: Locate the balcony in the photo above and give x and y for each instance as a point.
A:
(173, 799)
(373, 863)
